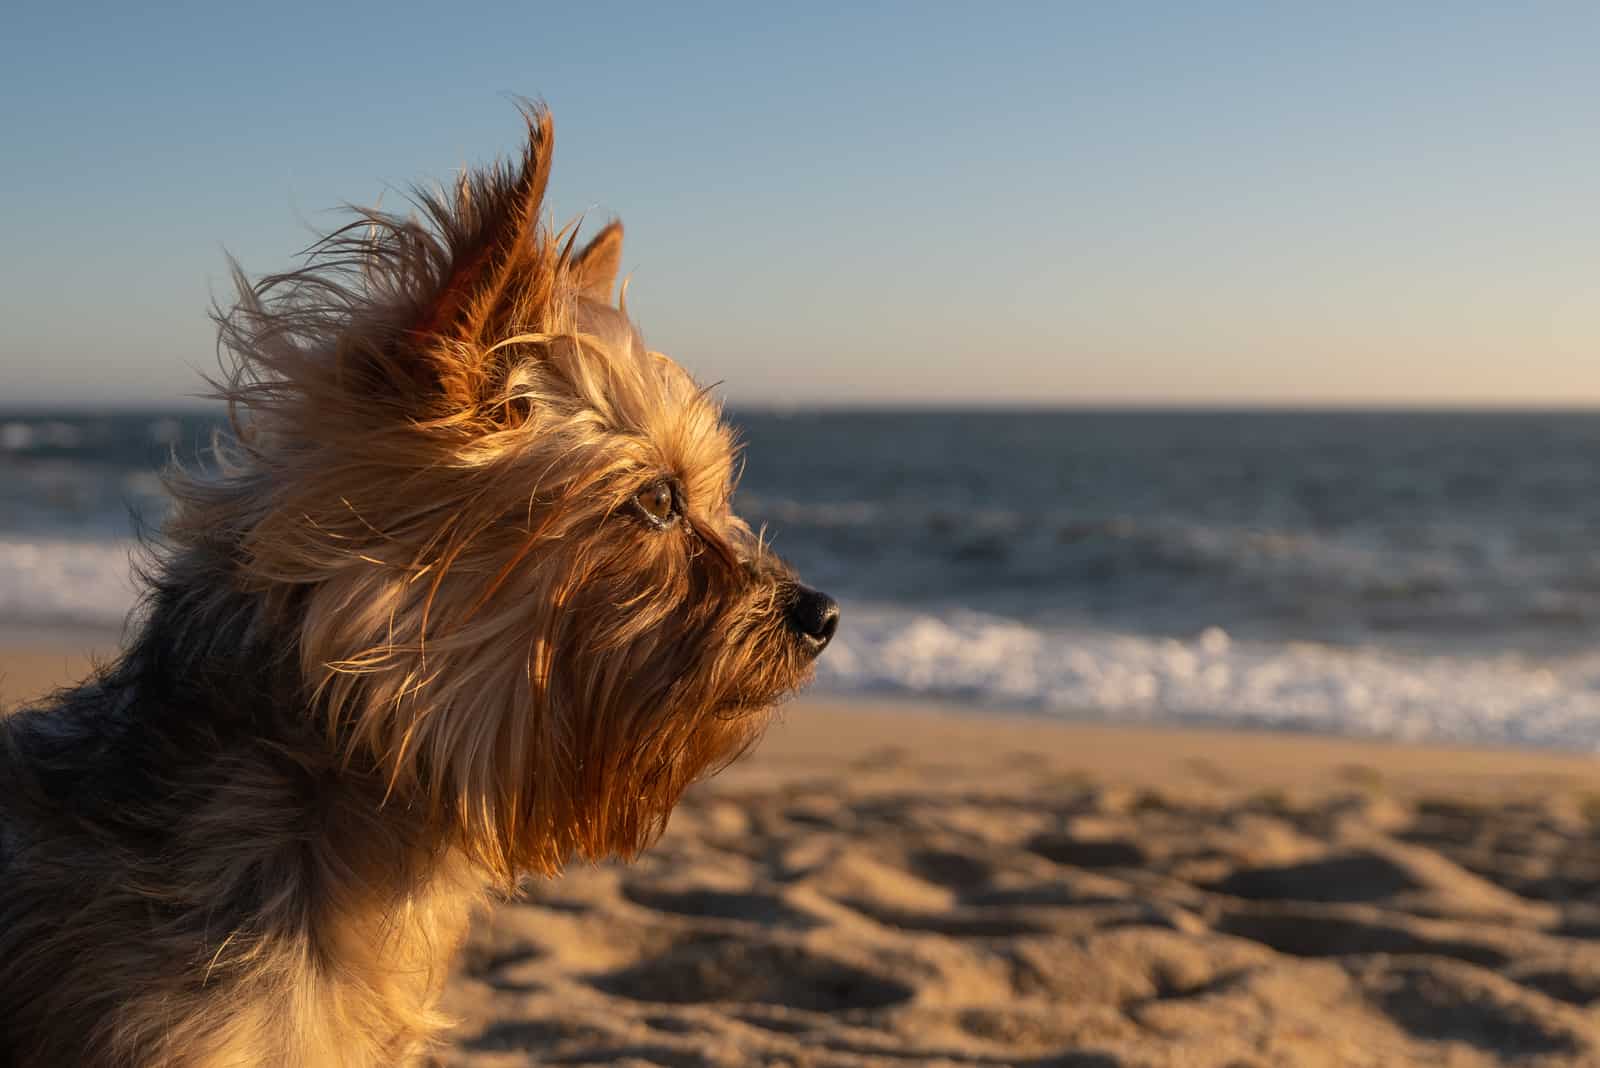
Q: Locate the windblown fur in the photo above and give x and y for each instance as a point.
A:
(409, 641)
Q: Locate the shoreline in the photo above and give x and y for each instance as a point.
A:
(37, 660)
(819, 730)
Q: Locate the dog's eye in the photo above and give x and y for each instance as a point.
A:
(658, 504)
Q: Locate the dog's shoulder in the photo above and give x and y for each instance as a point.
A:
(53, 756)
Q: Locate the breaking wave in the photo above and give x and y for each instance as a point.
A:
(1210, 679)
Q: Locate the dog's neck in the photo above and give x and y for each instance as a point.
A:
(213, 668)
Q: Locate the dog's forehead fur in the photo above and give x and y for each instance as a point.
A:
(657, 411)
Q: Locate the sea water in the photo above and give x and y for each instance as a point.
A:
(1397, 574)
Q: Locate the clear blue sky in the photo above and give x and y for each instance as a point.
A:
(1195, 202)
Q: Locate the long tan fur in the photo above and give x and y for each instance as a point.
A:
(409, 642)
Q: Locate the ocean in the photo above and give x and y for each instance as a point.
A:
(1412, 575)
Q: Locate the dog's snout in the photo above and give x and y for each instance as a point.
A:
(813, 616)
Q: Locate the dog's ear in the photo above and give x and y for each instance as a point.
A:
(497, 267)
(394, 313)
(595, 269)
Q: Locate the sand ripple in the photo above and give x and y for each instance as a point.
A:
(897, 913)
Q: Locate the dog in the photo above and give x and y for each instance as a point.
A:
(461, 599)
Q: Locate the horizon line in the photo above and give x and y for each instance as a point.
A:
(197, 406)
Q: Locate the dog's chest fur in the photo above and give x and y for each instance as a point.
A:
(245, 891)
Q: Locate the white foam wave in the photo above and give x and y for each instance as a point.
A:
(65, 582)
(1213, 680)
(1208, 679)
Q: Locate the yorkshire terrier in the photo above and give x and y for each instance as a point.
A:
(462, 598)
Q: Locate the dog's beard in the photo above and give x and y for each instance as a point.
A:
(567, 714)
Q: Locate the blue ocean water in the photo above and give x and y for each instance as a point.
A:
(1422, 529)
(1392, 573)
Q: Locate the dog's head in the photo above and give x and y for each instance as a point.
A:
(499, 527)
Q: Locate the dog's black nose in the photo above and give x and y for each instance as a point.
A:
(813, 616)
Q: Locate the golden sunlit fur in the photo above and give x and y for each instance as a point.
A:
(413, 639)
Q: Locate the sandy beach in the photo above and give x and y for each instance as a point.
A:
(901, 885)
